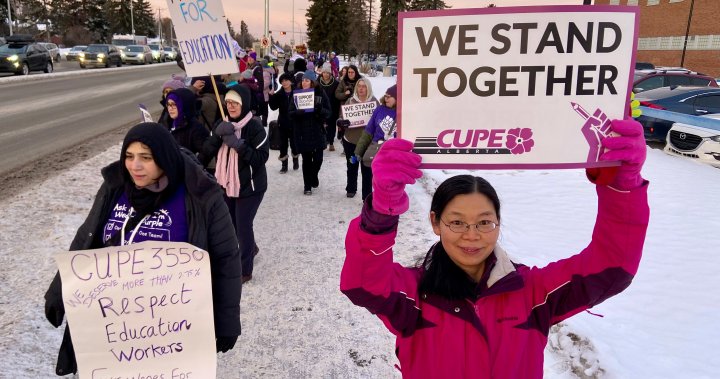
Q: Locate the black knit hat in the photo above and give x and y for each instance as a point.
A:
(165, 151)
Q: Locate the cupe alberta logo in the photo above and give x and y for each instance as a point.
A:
(477, 141)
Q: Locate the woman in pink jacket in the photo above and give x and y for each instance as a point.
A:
(468, 311)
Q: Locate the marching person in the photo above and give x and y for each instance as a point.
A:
(329, 86)
(381, 127)
(347, 84)
(157, 182)
(187, 130)
(468, 311)
(241, 147)
(309, 132)
(175, 82)
(281, 101)
(350, 137)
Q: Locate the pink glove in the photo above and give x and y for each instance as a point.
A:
(394, 167)
(628, 148)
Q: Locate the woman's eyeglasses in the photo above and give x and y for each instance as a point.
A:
(171, 104)
(232, 103)
(484, 226)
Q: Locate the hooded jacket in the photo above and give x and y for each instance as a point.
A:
(209, 228)
(502, 333)
(281, 101)
(329, 89)
(188, 131)
(345, 84)
(254, 153)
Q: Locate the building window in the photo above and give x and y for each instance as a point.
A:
(704, 42)
(614, 2)
(653, 2)
(632, 2)
(676, 1)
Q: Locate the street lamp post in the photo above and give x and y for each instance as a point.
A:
(10, 17)
(292, 40)
(687, 33)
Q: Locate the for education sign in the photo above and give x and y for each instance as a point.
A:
(516, 87)
(203, 37)
(141, 310)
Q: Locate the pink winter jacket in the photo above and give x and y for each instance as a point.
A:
(504, 332)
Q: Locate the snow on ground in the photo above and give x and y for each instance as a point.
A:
(297, 324)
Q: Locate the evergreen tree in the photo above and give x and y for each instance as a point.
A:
(387, 29)
(120, 22)
(357, 27)
(327, 22)
(145, 21)
(245, 39)
(98, 20)
(424, 5)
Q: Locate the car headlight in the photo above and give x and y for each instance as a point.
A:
(715, 138)
(101, 56)
(13, 58)
(122, 54)
(155, 53)
(82, 55)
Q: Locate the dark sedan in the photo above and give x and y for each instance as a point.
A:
(696, 101)
(101, 55)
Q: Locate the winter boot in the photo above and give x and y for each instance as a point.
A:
(296, 162)
(284, 161)
(331, 147)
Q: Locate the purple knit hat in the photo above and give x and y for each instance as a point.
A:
(174, 83)
(392, 91)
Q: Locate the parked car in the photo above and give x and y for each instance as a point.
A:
(21, 55)
(650, 79)
(695, 142)
(74, 53)
(157, 52)
(101, 55)
(53, 49)
(644, 66)
(170, 53)
(696, 101)
(138, 54)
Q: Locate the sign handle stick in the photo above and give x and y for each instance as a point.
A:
(217, 97)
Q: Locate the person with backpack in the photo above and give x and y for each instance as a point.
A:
(281, 101)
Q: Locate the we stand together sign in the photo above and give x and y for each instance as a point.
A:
(515, 87)
(143, 310)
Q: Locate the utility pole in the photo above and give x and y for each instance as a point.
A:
(369, 31)
(292, 40)
(160, 34)
(267, 24)
(10, 16)
(687, 33)
(132, 21)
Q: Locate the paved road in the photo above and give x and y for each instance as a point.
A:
(45, 116)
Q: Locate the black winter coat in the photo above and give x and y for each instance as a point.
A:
(209, 228)
(280, 101)
(329, 90)
(308, 127)
(252, 155)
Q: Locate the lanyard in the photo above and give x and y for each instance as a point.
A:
(134, 232)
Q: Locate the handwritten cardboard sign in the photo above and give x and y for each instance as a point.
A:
(304, 99)
(358, 114)
(142, 309)
(514, 87)
(203, 37)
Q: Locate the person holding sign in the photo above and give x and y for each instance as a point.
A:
(157, 192)
(346, 83)
(468, 311)
(281, 101)
(309, 127)
(351, 135)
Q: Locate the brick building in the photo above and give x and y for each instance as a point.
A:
(663, 24)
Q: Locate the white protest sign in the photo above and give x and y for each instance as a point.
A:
(305, 99)
(358, 114)
(142, 309)
(517, 87)
(145, 115)
(203, 37)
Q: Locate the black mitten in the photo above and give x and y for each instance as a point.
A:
(223, 344)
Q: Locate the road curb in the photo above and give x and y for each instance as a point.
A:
(96, 71)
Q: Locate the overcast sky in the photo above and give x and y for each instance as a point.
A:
(252, 12)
